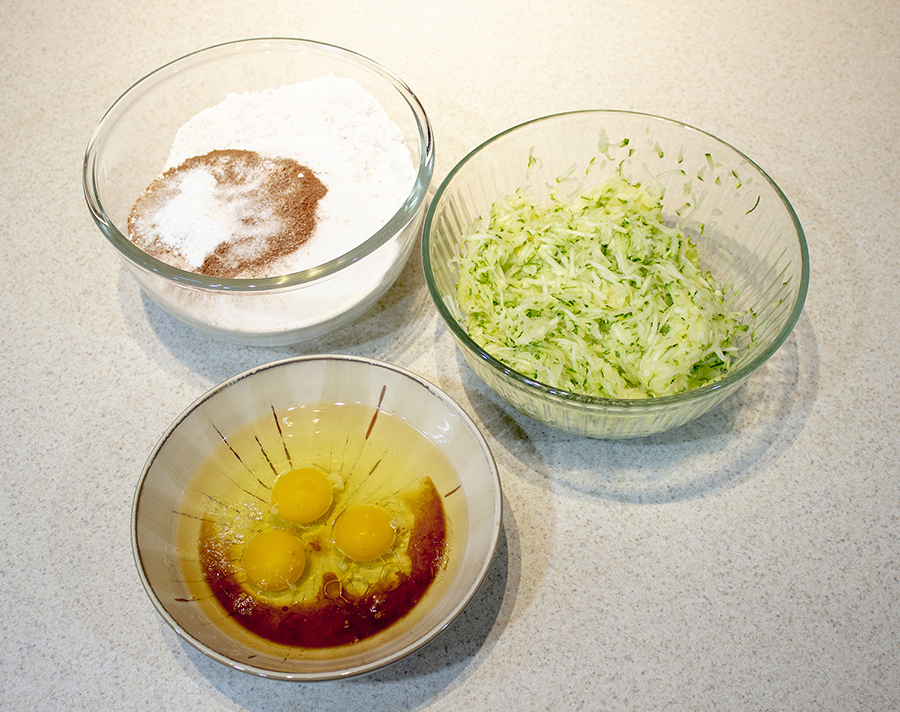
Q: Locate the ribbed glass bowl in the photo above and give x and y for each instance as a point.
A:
(165, 491)
(131, 145)
(746, 232)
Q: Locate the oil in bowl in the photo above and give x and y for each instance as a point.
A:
(319, 525)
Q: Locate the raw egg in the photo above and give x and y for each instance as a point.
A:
(274, 560)
(364, 532)
(318, 555)
(301, 495)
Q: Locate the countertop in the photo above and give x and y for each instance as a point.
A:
(749, 560)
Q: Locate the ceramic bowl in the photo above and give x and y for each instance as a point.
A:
(294, 411)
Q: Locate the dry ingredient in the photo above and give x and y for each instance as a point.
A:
(227, 213)
(223, 208)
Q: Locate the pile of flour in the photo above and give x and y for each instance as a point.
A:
(337, 129)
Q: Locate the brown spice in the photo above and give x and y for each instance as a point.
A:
(272, 201)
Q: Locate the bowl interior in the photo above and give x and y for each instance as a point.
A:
(160, 552)
(746, 231)
(131, 145)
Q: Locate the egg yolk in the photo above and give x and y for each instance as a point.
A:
(364, 532)
(301, 496)
(274, 560)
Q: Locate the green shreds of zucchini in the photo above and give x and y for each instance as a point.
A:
(595, 295)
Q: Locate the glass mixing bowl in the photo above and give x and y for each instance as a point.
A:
(130, 147)
(746, 232)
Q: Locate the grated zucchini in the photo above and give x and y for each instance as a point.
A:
(595, 295)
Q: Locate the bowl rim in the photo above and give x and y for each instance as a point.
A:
(411, 647)
(404, 214)
(730, 379)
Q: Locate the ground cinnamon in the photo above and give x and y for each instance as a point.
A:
(252, 210)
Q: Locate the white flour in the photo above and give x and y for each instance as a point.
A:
(330, 125)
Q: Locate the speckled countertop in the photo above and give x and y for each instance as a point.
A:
(750, 560)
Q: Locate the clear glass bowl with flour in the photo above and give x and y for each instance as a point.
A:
(326, 110)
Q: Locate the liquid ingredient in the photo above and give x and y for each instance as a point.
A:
(301, 496)
(345, 609)
(377, 533)
(274, 560)
(364, 532)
